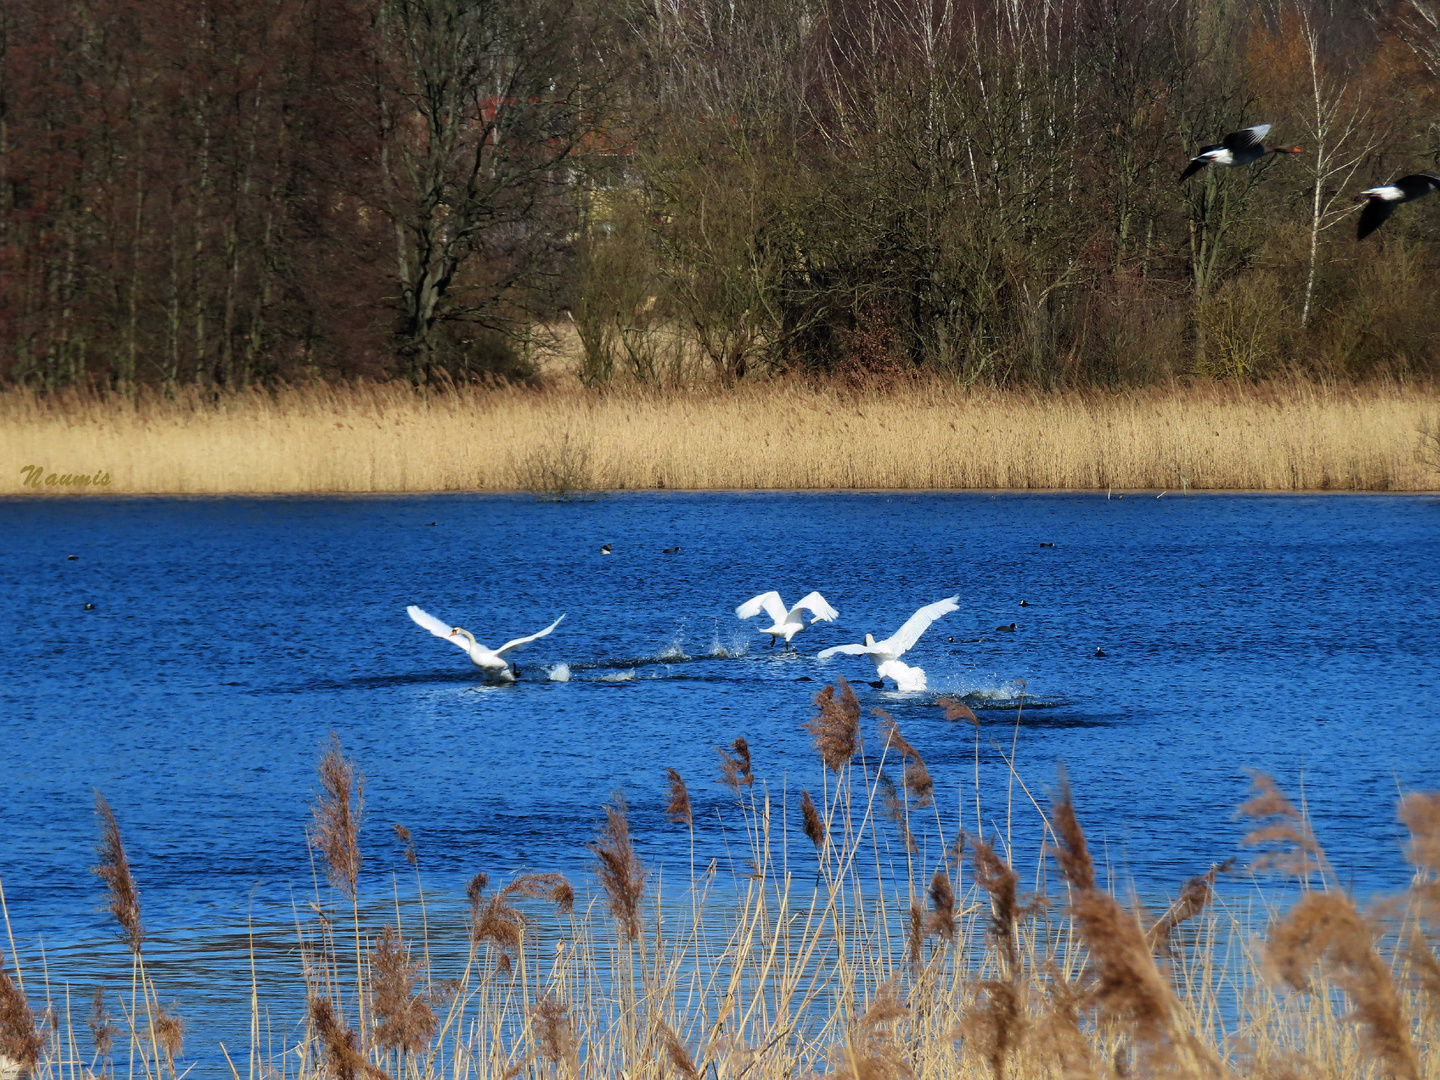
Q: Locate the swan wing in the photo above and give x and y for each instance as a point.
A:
(848, 650)
(905, 638)
(815, 604)
(436, 627)
(517, 642)
(768, 602)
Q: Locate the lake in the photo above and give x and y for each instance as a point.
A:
(230, 636)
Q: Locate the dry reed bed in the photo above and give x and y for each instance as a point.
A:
(385, 438)
(853, 937)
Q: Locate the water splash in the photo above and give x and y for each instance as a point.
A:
(560, 673)
(672, 651)
(618, 676)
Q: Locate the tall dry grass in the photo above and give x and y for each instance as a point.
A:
(1292, 436)
(856, 956)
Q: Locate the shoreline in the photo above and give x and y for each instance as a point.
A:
(595, 496)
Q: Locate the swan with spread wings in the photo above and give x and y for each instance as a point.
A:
(490, 661)
(788, 622)
(886, 654)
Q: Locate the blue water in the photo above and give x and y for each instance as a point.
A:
(229, 637)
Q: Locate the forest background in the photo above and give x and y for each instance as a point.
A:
(227, 193)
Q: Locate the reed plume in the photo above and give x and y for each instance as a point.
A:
(336, 815)
(915, 937)
(995, 1025)
(1325, 928)
(343, 1059)
(169, 1034)
(1420, 811)
(810, 819)
(894, 809)
(1194, 897)
(942, 905)
(404, 1019)
(678, 809)
(114, 870)
(474, 893)
(1057, 1035)
(869, 1052)
(21, 1042)
(554, 1035)
(957, 710)
(501, 924)
(101, 1029)
(403, 835)
(836, 730)
(998, 879)
(1072, 854)
(619, 870)
(1426, 972)
(1297, 853)
(676, 1050)
(1128, 988)
(735, 771)
(917, 777)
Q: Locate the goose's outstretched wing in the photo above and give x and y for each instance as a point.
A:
(768, 602)
(1196, 164)
(436, 627)
(1245, 137)
(917, 624)
(848, 650)
(1373, 216)
(517, 642)
(816, 605)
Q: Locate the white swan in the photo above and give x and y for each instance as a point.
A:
(886, 654)
(787, 623)
(492, 662)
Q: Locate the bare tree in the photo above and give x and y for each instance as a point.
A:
(1339, 125)
(483, 106)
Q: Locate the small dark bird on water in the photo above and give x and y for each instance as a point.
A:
(671, 551)
(428, 523)
(72, 558)
(1024, 603)
(89, 607)
(1100, 652)
(1005, 629)
(878, 684)
(1047, 545)
(1238, 148)
(605, 549)
(804, 678)
(1381, 201)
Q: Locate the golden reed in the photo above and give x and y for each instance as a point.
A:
(1291, 436)
(793, 962)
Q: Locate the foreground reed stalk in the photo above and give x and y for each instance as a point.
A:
(384, 438)
(851, 937)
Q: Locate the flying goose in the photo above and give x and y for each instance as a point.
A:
(1238, 148)
(1381, 201)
